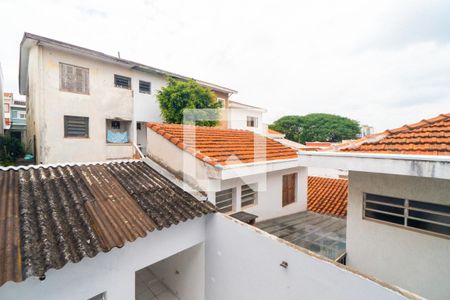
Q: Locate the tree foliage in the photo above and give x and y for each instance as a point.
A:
(190, 102)
(317, 127)
(10, 150)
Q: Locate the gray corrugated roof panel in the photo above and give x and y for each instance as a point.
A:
(52, 215)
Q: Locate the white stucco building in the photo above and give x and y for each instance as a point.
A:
(398, 216)
(85, 105)
(237, 169)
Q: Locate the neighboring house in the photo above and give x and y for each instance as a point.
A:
(242, 116)
(18, 125)
(398, 216)
(7, 101)
(85, 105)
(238, 169)
(366, 130)
(123, 230)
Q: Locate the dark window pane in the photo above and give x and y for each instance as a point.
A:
(430, 206)
(385, 199)
(122, 81)
(384, 217)
(429, 227)
(395, 210)
(429, 216)
(144, 87)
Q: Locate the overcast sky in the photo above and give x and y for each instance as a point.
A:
(382, 63)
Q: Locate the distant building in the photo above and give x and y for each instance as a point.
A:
(18, 124)
(366, 130)
(6, 105)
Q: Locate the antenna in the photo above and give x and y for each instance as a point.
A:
(118, 54)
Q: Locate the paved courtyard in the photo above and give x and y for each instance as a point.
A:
(319, 233)
(149, 287)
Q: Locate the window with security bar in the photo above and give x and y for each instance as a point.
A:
(413, 214)
(224, 200)
(248, 195)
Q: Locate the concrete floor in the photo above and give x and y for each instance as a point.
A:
(149, 287)
(319, 233)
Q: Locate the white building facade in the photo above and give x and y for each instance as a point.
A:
(86, 105)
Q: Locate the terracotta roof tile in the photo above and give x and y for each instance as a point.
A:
(50, 216)
(223, 146)
(328, 195)
(427, 137)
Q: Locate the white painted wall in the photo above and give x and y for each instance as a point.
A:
(327, 172)
(270, 191)
(104, 102)
(113, 272)
(237, 119)
(416, 261)
(146, 107)
(243, 262)
(184, 273)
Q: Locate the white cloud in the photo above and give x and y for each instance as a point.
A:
(385, 63)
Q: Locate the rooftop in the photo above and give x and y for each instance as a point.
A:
(52, 215)
(328, 196)
(427, 137)
(316, 232)
(217, 146)
(29, 38)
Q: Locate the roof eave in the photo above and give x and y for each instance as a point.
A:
(431, 166)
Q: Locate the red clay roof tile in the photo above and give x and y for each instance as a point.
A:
(427, 137)
(328, 196)
(218, 146)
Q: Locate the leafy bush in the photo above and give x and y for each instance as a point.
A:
(187, 100)
(10, 150)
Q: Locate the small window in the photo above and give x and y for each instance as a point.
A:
(76, 126)
(73, 79)
(115, 124)
(248, 195)
(252, 121)
(138, 126)
(122, 81)
(6, 108)
(289, 183)
(144, 87)
(224, 200)
(420, 215)
(14, 114)
(22, 115)
(117, 132)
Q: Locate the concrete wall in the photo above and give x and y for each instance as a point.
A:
(244, 264)
(270, 192)
(113, 272)
(416, 261)
(184, 273)
(237, 119)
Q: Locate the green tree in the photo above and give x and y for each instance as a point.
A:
(10, 150)
(187, 100)
(317, 127)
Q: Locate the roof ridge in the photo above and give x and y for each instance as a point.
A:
(66, 164)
